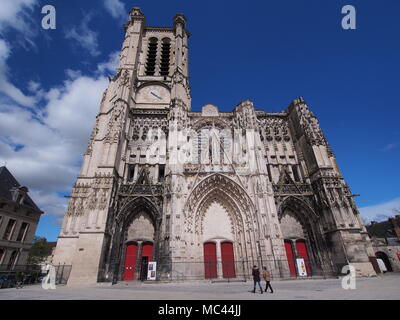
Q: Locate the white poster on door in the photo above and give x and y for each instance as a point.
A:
(151, 271)
(301, 267)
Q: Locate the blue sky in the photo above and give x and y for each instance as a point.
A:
(270, 52)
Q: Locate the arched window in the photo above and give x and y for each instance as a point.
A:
(151, 57)
(165, 56)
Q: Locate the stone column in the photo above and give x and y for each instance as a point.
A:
(296, 255)
(138, 260)
(219, 260)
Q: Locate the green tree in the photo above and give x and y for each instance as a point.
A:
(39, 251)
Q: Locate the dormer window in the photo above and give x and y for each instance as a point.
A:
(19, 194)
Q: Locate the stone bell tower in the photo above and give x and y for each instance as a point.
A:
(151, 77)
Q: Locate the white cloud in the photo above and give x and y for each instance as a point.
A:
(50, 202)
(52, 138)
(55, 138)
(84, 36)
(111, 65)
(16, 14)
(43, 133)
(116, 9)
(380, 211)
(6, 86)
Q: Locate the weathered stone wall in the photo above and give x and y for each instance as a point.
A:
(141, 228)
(391, 252)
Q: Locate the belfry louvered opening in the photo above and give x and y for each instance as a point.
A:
(151, 57)
(165, 56)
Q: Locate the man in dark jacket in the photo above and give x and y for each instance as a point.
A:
(256, 278)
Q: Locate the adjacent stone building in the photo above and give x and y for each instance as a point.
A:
(19, 217)
(385, 236)
(204, 194)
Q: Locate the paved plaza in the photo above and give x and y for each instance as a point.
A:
(382, 287)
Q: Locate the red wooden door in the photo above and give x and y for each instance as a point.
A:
(302, 253)
(290, 257)
(228, 260)
(210, 260)
(147, 256)
(130, 262)
(147, 251)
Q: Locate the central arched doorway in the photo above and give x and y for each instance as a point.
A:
(218, 234)
(227, 259)
(218, 212)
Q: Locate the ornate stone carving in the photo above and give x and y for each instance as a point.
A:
(116, 123)
(93, 135)
(309, 123)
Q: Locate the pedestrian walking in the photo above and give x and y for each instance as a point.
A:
(256, 278)
(267, 278)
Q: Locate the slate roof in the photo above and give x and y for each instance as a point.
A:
(8, 182)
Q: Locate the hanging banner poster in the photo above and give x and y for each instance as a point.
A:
(301, 267)
(151, 271)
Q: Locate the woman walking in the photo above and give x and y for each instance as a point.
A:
(267, 278)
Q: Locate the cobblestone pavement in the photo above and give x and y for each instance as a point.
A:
(382, 287)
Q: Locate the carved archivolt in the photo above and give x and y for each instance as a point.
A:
(226, 192)
(136, 205)
(299, 206)
(218, 196)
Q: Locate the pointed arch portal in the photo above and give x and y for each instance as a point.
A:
(139, 229)
(297, 219)
(219, 209)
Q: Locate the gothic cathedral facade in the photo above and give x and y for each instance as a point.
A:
(204, 194)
